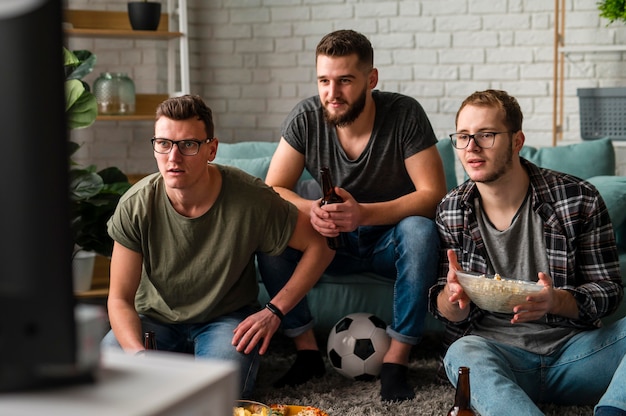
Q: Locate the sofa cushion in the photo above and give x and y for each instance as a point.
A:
(613, 191)
(256, 167)
(584, 160)
(251, 157)
(246, 150)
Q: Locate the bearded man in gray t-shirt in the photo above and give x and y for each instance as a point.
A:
(380, 148)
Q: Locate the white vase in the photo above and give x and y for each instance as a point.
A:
(82, 270)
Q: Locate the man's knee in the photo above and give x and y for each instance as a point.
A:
(462, 350)
(418, 230)
(109, 341)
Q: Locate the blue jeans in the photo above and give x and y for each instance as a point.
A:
(406, 253)
(211, 340)
(589, 369)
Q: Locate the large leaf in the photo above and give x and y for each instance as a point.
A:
(78, 63)
(84, 184)
(81, 106)
(70, 62)
(86, 62)
(112, 175)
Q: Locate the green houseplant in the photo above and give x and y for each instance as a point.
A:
(613, 10)
(94, 194)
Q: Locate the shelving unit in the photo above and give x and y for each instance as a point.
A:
(116, 25)
(560, 52)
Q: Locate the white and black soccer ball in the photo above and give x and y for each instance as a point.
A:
(357, 344)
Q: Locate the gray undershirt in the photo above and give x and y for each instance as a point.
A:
(518, 252)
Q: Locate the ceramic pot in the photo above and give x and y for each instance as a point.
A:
(144, 15)
(82, 270)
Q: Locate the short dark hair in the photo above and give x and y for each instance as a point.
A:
(186, 107)
(513, 116)
(347, 42)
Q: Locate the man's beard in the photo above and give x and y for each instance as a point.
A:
(503, 166)
(347, 118)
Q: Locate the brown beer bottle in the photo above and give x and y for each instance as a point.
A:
(330, 197)
(462, 399)
(149, 340)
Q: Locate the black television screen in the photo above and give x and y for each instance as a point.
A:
(37, 327)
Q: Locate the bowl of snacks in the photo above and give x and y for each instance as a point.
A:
(250, 408)
(496, 293)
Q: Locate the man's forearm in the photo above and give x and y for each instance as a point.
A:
(126, 325)
(306, 274)
(564, 304)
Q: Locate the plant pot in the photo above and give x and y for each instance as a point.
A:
(82, 270)
(144, 15)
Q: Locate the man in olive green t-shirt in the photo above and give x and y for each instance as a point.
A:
(184, 245)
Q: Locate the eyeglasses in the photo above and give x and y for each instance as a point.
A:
(483, 139)
(187, 147)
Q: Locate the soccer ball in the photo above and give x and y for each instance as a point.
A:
(357, 344)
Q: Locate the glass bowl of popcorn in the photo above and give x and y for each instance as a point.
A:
(250, 408)
(496, 293)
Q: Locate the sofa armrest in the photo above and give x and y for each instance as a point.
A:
(613, 192)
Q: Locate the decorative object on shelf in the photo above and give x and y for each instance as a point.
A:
(602, 112)
(144, 15)
(613, 10)
(115, 93)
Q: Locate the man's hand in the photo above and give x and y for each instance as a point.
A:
(329, 220)
(454, 290)
(259, 327)
(452, 302)
(537, 305)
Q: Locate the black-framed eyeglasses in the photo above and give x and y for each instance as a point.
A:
(187, 147)
(483, 139)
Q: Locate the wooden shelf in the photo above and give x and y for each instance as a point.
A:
(106, 24)
(592, 49)
(145, 109)
(102, 24)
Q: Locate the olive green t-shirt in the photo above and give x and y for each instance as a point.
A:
(196, 269)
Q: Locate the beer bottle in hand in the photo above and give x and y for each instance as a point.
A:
(149, 340)
(330, 197)
(462, 399)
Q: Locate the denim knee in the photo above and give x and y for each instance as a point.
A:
(417, 244)
(109, 341)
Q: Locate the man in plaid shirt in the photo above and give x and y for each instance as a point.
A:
(518, 220)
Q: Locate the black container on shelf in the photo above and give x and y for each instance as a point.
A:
(144, 15)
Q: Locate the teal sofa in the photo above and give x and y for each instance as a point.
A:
(333, 297)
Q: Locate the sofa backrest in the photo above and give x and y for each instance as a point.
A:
(251, 157)
(254, 158)
(584, 160)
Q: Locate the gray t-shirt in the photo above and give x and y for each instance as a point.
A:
(195, 269)
(518, 252)
(401, 129)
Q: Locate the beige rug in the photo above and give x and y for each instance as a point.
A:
(340, 396)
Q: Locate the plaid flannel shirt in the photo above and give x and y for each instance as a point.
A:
(579, 239)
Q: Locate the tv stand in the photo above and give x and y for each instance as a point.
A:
(155, 384)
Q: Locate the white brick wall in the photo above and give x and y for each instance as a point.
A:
(252, 60)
